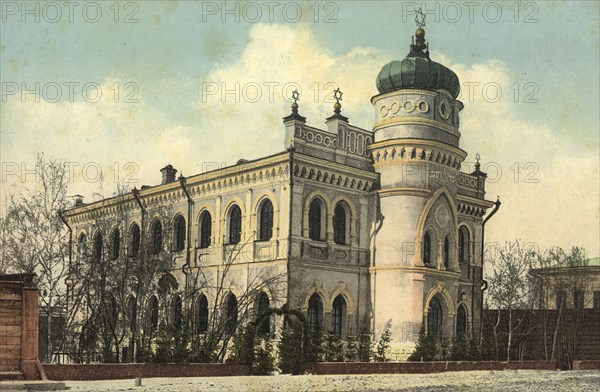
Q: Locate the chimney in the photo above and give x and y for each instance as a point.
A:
(78, 200)
(168, 174)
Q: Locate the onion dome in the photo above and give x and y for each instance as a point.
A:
(417, 71)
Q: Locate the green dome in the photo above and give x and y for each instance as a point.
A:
(417, 71)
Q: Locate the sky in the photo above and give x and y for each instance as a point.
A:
(120, 89)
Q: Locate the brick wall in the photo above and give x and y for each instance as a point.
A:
(134, 370)
(420, 367)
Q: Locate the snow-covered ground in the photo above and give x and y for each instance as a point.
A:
(525, 380)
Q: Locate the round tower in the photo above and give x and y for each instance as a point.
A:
(416, 151)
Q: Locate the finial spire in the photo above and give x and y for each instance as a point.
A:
(295, 115)
(337, 95)
(420, 43)
(420, 18)
(477, 164)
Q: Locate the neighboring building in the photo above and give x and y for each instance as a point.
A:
(366, 225)
(574, 286)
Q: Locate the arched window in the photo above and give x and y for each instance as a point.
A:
(266, 221)
(231, 307)
(134, 238)
(340, 223)
(82, 247)
(235, 225)
(427, 248)
(132, 313)
(463, 244)
(434, 318)
(115, 244)
(461, 321)
(153, 313)
(338, 311)
(315, 312)
(202, 313)
(178, 233)
(176, 311)
(98, 247)
(156, 237)
(205, 229)
(262, 304)
(446, 253)
(315, 217)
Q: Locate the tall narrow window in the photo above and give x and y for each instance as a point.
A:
(427, 249)
(153, 312)
(115, 244)
(134, 237)
(205, 229)
(82, 248)
(263, 303)
(132, 313)
(231, 319)
(446, 253)
(178, 233)
(235, 225)
(337, 315)
(98, 247)
(314, 220)
(156, 237)
(461, 321)
(463, 245)
(202, 313)
(339, 224)
(176, 310)
(434, 318)
(266, 221)
(315, 312)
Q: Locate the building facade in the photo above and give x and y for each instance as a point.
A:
(362, 226)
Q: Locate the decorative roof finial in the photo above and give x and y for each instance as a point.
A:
(295, 115)
(420, 18)
(337, 95)
(420, 33)
(477, 164)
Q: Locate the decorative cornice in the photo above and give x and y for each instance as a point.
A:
(416, 121)
(404, 192)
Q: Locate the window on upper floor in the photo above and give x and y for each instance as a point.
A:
(98, 247)
(316, 213)
(265, 224)
(340, 223)
(463, 245)
(115, 244)
(446, 253)
(82, 248)
(157, 237)
(178, 233)
(427, 249)
(205, 229)
(235, 224)
(134, 240)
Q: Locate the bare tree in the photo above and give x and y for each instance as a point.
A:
(556, 274)
(33, 237)
(511, 288)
